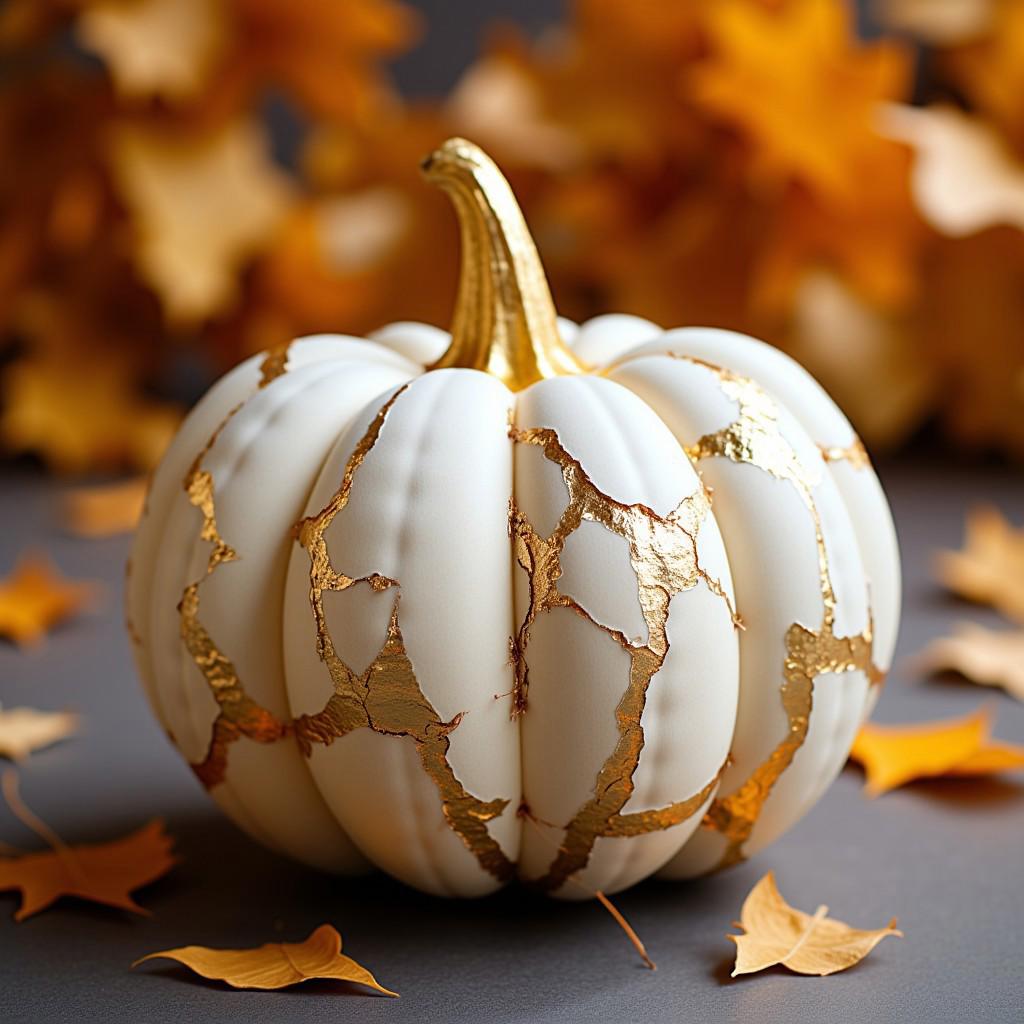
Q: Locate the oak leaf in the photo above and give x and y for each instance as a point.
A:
(106, 510)
(990, 568)
(104, 873)
(35, 598)
(776, 933)
(202, 207)
(155, 47)
(893, 755)
(23, 730)
(276, 964)
(989, 657)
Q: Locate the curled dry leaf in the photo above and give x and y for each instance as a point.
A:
(893, 755)
(990, 568)
(35, 598)
(106, 510)
(776, 933)
(105, 873)
(23, 730)
(990, 657)
(202, 206)
(965, 179)
(276, 964)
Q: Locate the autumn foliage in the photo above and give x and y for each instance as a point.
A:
(743, 163)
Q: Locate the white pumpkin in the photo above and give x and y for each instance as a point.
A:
(577, 605)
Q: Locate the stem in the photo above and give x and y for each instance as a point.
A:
(504, 320)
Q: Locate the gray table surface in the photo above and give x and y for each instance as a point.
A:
(946, 857)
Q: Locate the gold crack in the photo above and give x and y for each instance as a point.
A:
(386, 697)
(238, 714)
(754, 438)
(854, 453)
(663, 555)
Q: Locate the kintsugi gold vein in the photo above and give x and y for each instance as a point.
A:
(386, 697)
(663, 555)
(754, 439)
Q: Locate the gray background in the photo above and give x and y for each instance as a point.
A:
(945, 857)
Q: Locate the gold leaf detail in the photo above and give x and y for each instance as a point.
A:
(238, 714)
(754, 438)
(386, 697)
(854, 453)
(663, 554)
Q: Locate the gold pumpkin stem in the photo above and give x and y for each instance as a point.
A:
(504, 320)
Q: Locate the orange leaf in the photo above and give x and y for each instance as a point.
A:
(107, 510)
(990, 568)
(35, 597)
(776, 933)
(895, 755)
(276, 964)
(105, 873)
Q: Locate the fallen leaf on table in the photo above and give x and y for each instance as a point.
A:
(35, 597)
(990, 657)
(104, 873)
(276, 964)
(23, 730)
(893, 755)
(202, 206)
(776, 933)
(990, 568)
(106, 510)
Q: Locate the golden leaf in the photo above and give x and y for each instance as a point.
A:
(276, 964)
(105, 510)
(105, 873)
(82, 415)
(35, 598)
(202, 207)
(989, 657)
(793, 77)
(155, 47)
(776, 933)
(893, 755)
(23, 730)
(990, 568)
(965, 178)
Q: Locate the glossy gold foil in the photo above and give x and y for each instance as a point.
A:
(663, 555)
(754, 438)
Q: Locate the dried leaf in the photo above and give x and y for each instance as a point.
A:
(965, 179)
(82, 415)
(276, 964)
(202, 207)
(23, 730)
(776, 933)
(105, 873)
(990, 568)
(989, 657)
(940, 22)
(35, 598)
(794, 78)
(155, 47)
(106, 510)
(893, 755)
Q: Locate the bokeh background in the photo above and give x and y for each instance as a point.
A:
(184, 182)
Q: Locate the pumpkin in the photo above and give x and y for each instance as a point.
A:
(577, 605)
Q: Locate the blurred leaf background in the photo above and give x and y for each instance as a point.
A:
(184, 182)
